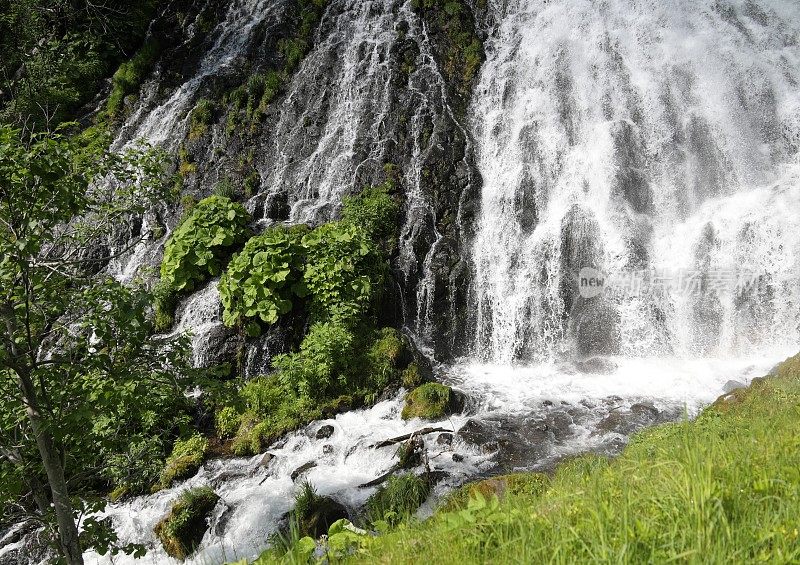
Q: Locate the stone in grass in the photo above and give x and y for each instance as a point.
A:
(183, 528)
(432, 401)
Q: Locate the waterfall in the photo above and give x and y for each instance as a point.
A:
(651, 145)
(644, 140)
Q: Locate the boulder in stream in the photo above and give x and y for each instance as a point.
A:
(183, 528)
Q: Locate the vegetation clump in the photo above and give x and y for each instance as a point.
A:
(261, 280)
(130, 75)
(199, 246)
(337, 270)
(430, 401)
(198, 249)
(398, 498)
(314, 514)
(186, 458)
(183, 528)
(200, 118)
(461, 48)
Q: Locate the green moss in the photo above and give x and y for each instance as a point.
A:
(129, 77)
(186, 458)
(200, 118)
(398, 498)
(183, 528)
(430, 401)
(118, 493)
(411, 377)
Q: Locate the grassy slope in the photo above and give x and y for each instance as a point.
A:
(724, 488)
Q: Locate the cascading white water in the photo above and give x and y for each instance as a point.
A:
(352, 62)
(635, 134)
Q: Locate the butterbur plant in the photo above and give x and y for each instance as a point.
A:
(199, 246)
(262, 279)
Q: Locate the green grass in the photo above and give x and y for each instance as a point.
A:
(724, 488)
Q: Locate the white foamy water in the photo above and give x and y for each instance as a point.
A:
(634, 134)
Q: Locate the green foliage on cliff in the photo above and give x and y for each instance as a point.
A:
(248, 103)
(55, 54)
(200, 245)
(335, 369)
(129, 77)
(261, 280)
(461, 48)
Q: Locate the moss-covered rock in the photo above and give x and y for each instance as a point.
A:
(182, 529)
(314, 514)
(516, 484)
(432, 401)
(399, 497)
(186, 458)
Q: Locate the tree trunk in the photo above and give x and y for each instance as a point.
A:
(67, 529)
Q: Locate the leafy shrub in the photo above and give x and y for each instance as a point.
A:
(324, 364)
(227, 421)
(164, 306)
(383, 358)
(134, 470)
(374, 210)
(186, 458)
(130, 76)
(261, 280)
(198, 247)
(343, 271)
(398, 498)
(182, 530)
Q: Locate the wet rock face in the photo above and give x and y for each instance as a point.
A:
(374, 89)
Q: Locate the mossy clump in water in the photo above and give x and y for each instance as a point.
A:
(516, 484)
(183, 528)
(431, 401)
(398, 498)
(314, 514)
(186, 458)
